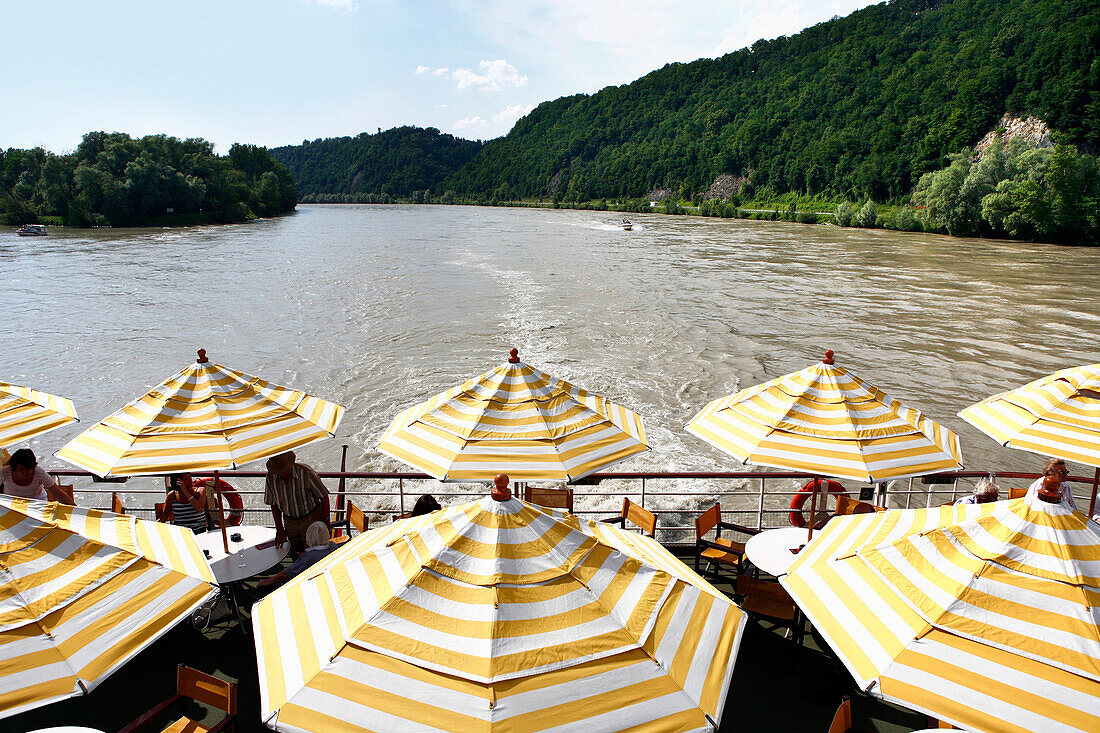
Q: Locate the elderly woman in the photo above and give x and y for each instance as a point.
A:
(317, 535)
(985, 490)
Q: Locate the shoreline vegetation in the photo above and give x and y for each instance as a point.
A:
(112, 179)
(1013, 191)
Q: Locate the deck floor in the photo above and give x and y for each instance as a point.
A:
(776, 686)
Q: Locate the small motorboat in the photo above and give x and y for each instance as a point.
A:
(626, 225)
(32, 230)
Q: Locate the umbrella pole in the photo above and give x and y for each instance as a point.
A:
(221, 513)
(1092, 501)
(813, 509)
(340, 512)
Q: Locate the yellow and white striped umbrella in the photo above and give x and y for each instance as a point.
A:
(83, 591)
(518, 420)
(1058, 415)
(827, 421)
(25, 413)
(205, 417)
(496, 616)
(985, 615)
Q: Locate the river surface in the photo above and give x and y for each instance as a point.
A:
(378, 307)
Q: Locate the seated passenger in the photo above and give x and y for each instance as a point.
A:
(317, 537)
(984, 491)
(1054, 467)
(23, 477)
(425, 505)
(185, 503)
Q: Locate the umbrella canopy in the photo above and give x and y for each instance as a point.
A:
(514, 419)
(1058, 415)
(496, 616)
(825, 420)
(81, 592)
(986, 615)
(25, 413)
(203, 418)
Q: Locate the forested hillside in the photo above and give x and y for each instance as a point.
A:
(396, 162)
(112, 179)
(857, 107)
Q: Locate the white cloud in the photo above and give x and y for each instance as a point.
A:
(422, 69)
(584, 45)
(497, 75)
(441, 71)
(467, 122)
(348, 5)
(512, 112)
(441, 106)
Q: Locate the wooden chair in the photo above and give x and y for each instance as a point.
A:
(160, 511)
(67, 491)
(353, 517)
(1017, 493)
(637, 515)
(549, 498)
(721, 550)
(406, 515)
(765, 600)
(116, 504)
(192, 684)
(842, 721)
(848, 505)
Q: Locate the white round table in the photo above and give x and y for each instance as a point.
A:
(252, 550)
(771, 549)
(250, 555)
(67, 729)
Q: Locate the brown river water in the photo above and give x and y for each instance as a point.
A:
(378, 307)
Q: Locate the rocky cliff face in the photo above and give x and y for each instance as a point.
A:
(725, 186)
(1031, 129)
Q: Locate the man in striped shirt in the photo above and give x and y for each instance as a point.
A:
(297, 499)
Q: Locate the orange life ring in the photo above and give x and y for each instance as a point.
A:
(236, 506)
(796, 517)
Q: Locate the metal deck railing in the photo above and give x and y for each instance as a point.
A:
(753, 498)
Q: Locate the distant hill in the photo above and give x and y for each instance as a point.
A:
(854, 107)
(396, 162)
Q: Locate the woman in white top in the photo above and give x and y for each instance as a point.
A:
(1054, 467)
(22, 477)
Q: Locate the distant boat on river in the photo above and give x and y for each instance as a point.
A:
(626, 225)
(32, 230)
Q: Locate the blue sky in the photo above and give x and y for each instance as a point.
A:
(276, 72)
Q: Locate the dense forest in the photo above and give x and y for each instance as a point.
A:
(112, 179)
(857, 107)
(397, 162)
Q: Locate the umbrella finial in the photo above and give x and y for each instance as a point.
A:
(513, 356)
(202, 357)
(828, 357)
(501, 492)
(1051, 489)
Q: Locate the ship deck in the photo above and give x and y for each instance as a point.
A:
(776, 684)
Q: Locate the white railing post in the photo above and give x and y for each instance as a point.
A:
(760, 507)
